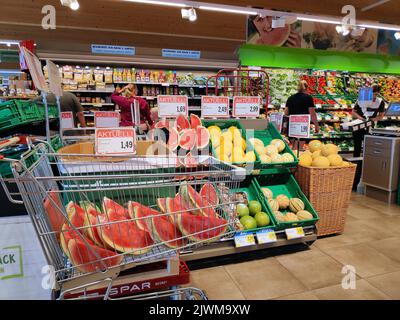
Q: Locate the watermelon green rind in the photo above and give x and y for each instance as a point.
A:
(202, 205)
(110, 205)
(161, 202)
(142, 214)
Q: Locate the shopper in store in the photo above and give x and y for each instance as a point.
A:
(124, 98)
(68, 103)
(302, 103)
(374, 112)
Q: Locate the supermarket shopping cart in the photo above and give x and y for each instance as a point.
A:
(99, 216)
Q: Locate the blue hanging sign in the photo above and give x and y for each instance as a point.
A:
(176, 53)
(109, 49)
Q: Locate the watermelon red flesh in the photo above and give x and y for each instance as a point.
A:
(189, 161)
(161, 202)
(200, 228)
(123, 236)
(91, 230)
(166, 232)
(182, 123)
(110, 205)
(86, 261)
(176, 206)
(75, 214)
(201, 203)
(142, 215)
(54, 213)
(195, 121)
(161, 124)
(208, 191)
(67, 234)
(202, 137)
(173, 139)
(275, 37)
(187, 140)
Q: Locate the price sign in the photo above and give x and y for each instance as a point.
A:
(299, 126)
(115, 141)
(277, 119)
(244, 239)
(246, 107)
(214, 107)
(106, 119)
(172, 106)
(266, 236)
(67, 120)
(294, 233)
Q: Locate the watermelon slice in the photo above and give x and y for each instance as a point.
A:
(76, 214)
(162, 202)
(54, 213)
(187, 140)
(91, 231)
(173, 139)
(86, 261)
(110, 205)
(275, 37)
(162, 124)
(208, 192)
(195, 121)
(182, 122)
(176, 206)
(202, 137)
(123, 236)
(139, 213)
(165, 232)
(90, 207)
(67, 234)
(202, 205)
(200, 228)
(189, 161)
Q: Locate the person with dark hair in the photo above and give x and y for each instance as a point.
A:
(374, 111)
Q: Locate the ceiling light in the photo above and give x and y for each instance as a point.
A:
(8, 44)
(220, 9)
(339, 29)
(319, 20)
(379, 26)
(189, 14)
(397, 35)
(74, 4)
(161, 3)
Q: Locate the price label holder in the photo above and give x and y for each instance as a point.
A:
(294, 233)
(299, 126)
(277, 119)
(244, 239)
(172, 106)
(266, 236)
(106, 119)
(67, 120)
(214, 107)
(246, 107)
(113, 141)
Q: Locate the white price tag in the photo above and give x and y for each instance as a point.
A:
(214, 107)
(277, 119)
(294, 233)
(299, 126)
(246, 107)
(244, 239)
(67, 120)
(115, 141)
(266, 236)
(172, 106)
(106, 119)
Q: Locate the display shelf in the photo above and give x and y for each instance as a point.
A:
(97, 104)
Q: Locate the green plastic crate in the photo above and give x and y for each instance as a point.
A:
(28, 110)
(284, 183)
(253, 193)
(225, 124)
(53, 111)
(266, 136)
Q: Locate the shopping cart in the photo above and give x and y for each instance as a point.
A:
(98, 216)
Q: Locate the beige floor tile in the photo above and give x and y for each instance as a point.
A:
(362, 212)
(389, 247)
(366, 260)
(216, 283)
(387, 283)
(313, 268)
(264, 279)
(308, 295)
(387, 227)
(363, 291)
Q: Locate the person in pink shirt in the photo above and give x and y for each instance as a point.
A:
(125, 102)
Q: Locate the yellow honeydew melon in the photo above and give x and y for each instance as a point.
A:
(276, 158)
(335, 160)
(315, 145)
(227, 135)
(329, 149)
(321, 162)
(265, 159)
(279, 144)
(305, 160)
(316, 154)
(250, 156)
(287, 157)
(255, 142)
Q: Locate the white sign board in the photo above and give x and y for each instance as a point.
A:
(299, 126)
(214, 107)
(246, 107)
(106, 119)
(67, 120)
(54, 79)
(35, 69)
(115, 141)
(277, 119)
(172, 106)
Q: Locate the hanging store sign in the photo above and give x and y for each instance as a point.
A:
(277, 119)
(246, 107)
(115, 141)
(67, 120)
(214, 107)
(176, 53)
(299, 126)
(106, 119)
(116, 50)
(172, 106)
(55, 81)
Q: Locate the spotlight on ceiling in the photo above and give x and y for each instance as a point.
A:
(397, 35)
(189, 14)
(73, 4)
(278, 22)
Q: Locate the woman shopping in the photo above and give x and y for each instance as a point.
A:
(124, 98)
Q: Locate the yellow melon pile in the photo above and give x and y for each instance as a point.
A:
(271, 153)
(229, 145)
(322, 156)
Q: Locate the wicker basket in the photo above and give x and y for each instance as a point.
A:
(329, 191)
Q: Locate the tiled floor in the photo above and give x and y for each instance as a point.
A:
(370, 244)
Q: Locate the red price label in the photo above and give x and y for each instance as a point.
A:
(246, 107)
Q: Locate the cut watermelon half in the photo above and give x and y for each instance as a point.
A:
(202, 137)
(195, 121)
(208, 192)
(182, 122)
(187, 140)
(141, 214)
(200, 228)
(54, 213)
(173, 139)
(165, 232)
